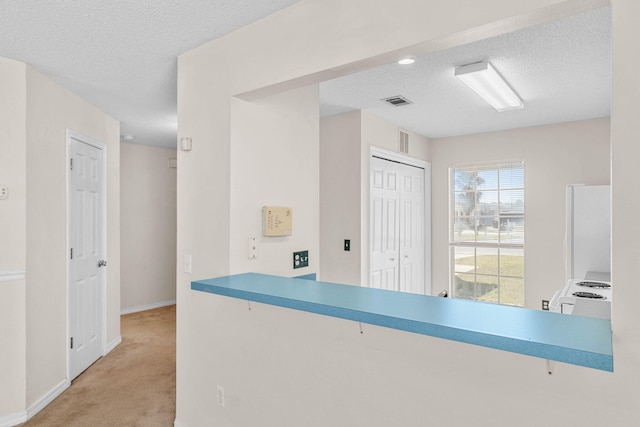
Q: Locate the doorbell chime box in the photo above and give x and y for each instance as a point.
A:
(276, 221)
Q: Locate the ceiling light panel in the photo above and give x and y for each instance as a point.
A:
(486, 82)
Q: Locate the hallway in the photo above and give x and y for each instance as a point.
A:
(134, 385)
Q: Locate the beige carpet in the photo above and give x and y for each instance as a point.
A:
(134, 385)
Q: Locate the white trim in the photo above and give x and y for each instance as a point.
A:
(176, 423)
(41, 403)
(113, 344)
(397, 157)
(147, 307)
(13, 419)
(8, 275)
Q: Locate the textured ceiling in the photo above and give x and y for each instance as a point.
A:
(121, 55)
(561, 70)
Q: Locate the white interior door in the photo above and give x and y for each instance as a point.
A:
(86, 278)
(385, 202)
(397, 260)
(412, 226)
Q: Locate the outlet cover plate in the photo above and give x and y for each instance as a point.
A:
(300, 259)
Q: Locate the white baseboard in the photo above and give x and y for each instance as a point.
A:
(13, 419)
(147, 307)
(47, 398)
(113, 344)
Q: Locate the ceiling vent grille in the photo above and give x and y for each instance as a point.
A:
(397, 101)
(404, 142)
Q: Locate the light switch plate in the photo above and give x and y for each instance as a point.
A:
(253, 247)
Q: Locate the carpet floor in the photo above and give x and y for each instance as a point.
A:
(134, 385)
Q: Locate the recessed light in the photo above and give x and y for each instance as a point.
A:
(407, 61)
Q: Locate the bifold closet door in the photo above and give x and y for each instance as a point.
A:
(397, 226)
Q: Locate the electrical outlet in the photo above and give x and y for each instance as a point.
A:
(347, 245)
(545, 304)
(300, 259)
(253, 247)
(4, 192)
(220, 396)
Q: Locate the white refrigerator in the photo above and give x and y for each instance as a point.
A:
(588, 252)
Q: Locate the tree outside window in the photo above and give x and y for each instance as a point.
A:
(487, 232)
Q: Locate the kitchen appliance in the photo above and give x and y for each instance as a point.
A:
(588, 230)
(587, 291)
(584, 297)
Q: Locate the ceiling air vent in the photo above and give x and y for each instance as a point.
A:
(397, 101)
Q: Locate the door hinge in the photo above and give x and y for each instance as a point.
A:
(71, 253)
(71, 164)
(71, 342)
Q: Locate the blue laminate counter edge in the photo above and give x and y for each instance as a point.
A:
(576, 340)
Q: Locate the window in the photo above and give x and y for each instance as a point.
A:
(487, 232)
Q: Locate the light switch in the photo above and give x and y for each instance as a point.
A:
(186, 144)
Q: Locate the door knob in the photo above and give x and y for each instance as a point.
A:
(102, 263)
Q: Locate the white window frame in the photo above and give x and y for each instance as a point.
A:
(452, 214)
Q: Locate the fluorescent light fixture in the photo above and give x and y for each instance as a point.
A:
(406, 61)
(486, 82)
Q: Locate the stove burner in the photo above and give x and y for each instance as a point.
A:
(588, 295)
(600, 285)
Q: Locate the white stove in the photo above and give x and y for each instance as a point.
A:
(591, 298)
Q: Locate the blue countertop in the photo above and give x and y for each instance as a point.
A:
(576, 340)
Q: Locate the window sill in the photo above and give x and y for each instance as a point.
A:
(575, 340)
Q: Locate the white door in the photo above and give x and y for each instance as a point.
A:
(86, 277)
(385, 203)
(412, 225)
(397, 235)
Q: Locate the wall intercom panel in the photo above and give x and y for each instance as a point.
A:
(276, 221)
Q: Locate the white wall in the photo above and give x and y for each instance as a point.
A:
(382, 134)
(35, 114)
(232, 171)
(555, 156)
(13, 164)
(281, 367)
(340, 193)
(51, 109)
(345, 141)
(625, 150)
(147, 226)
(13, 236)
(274, 162)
